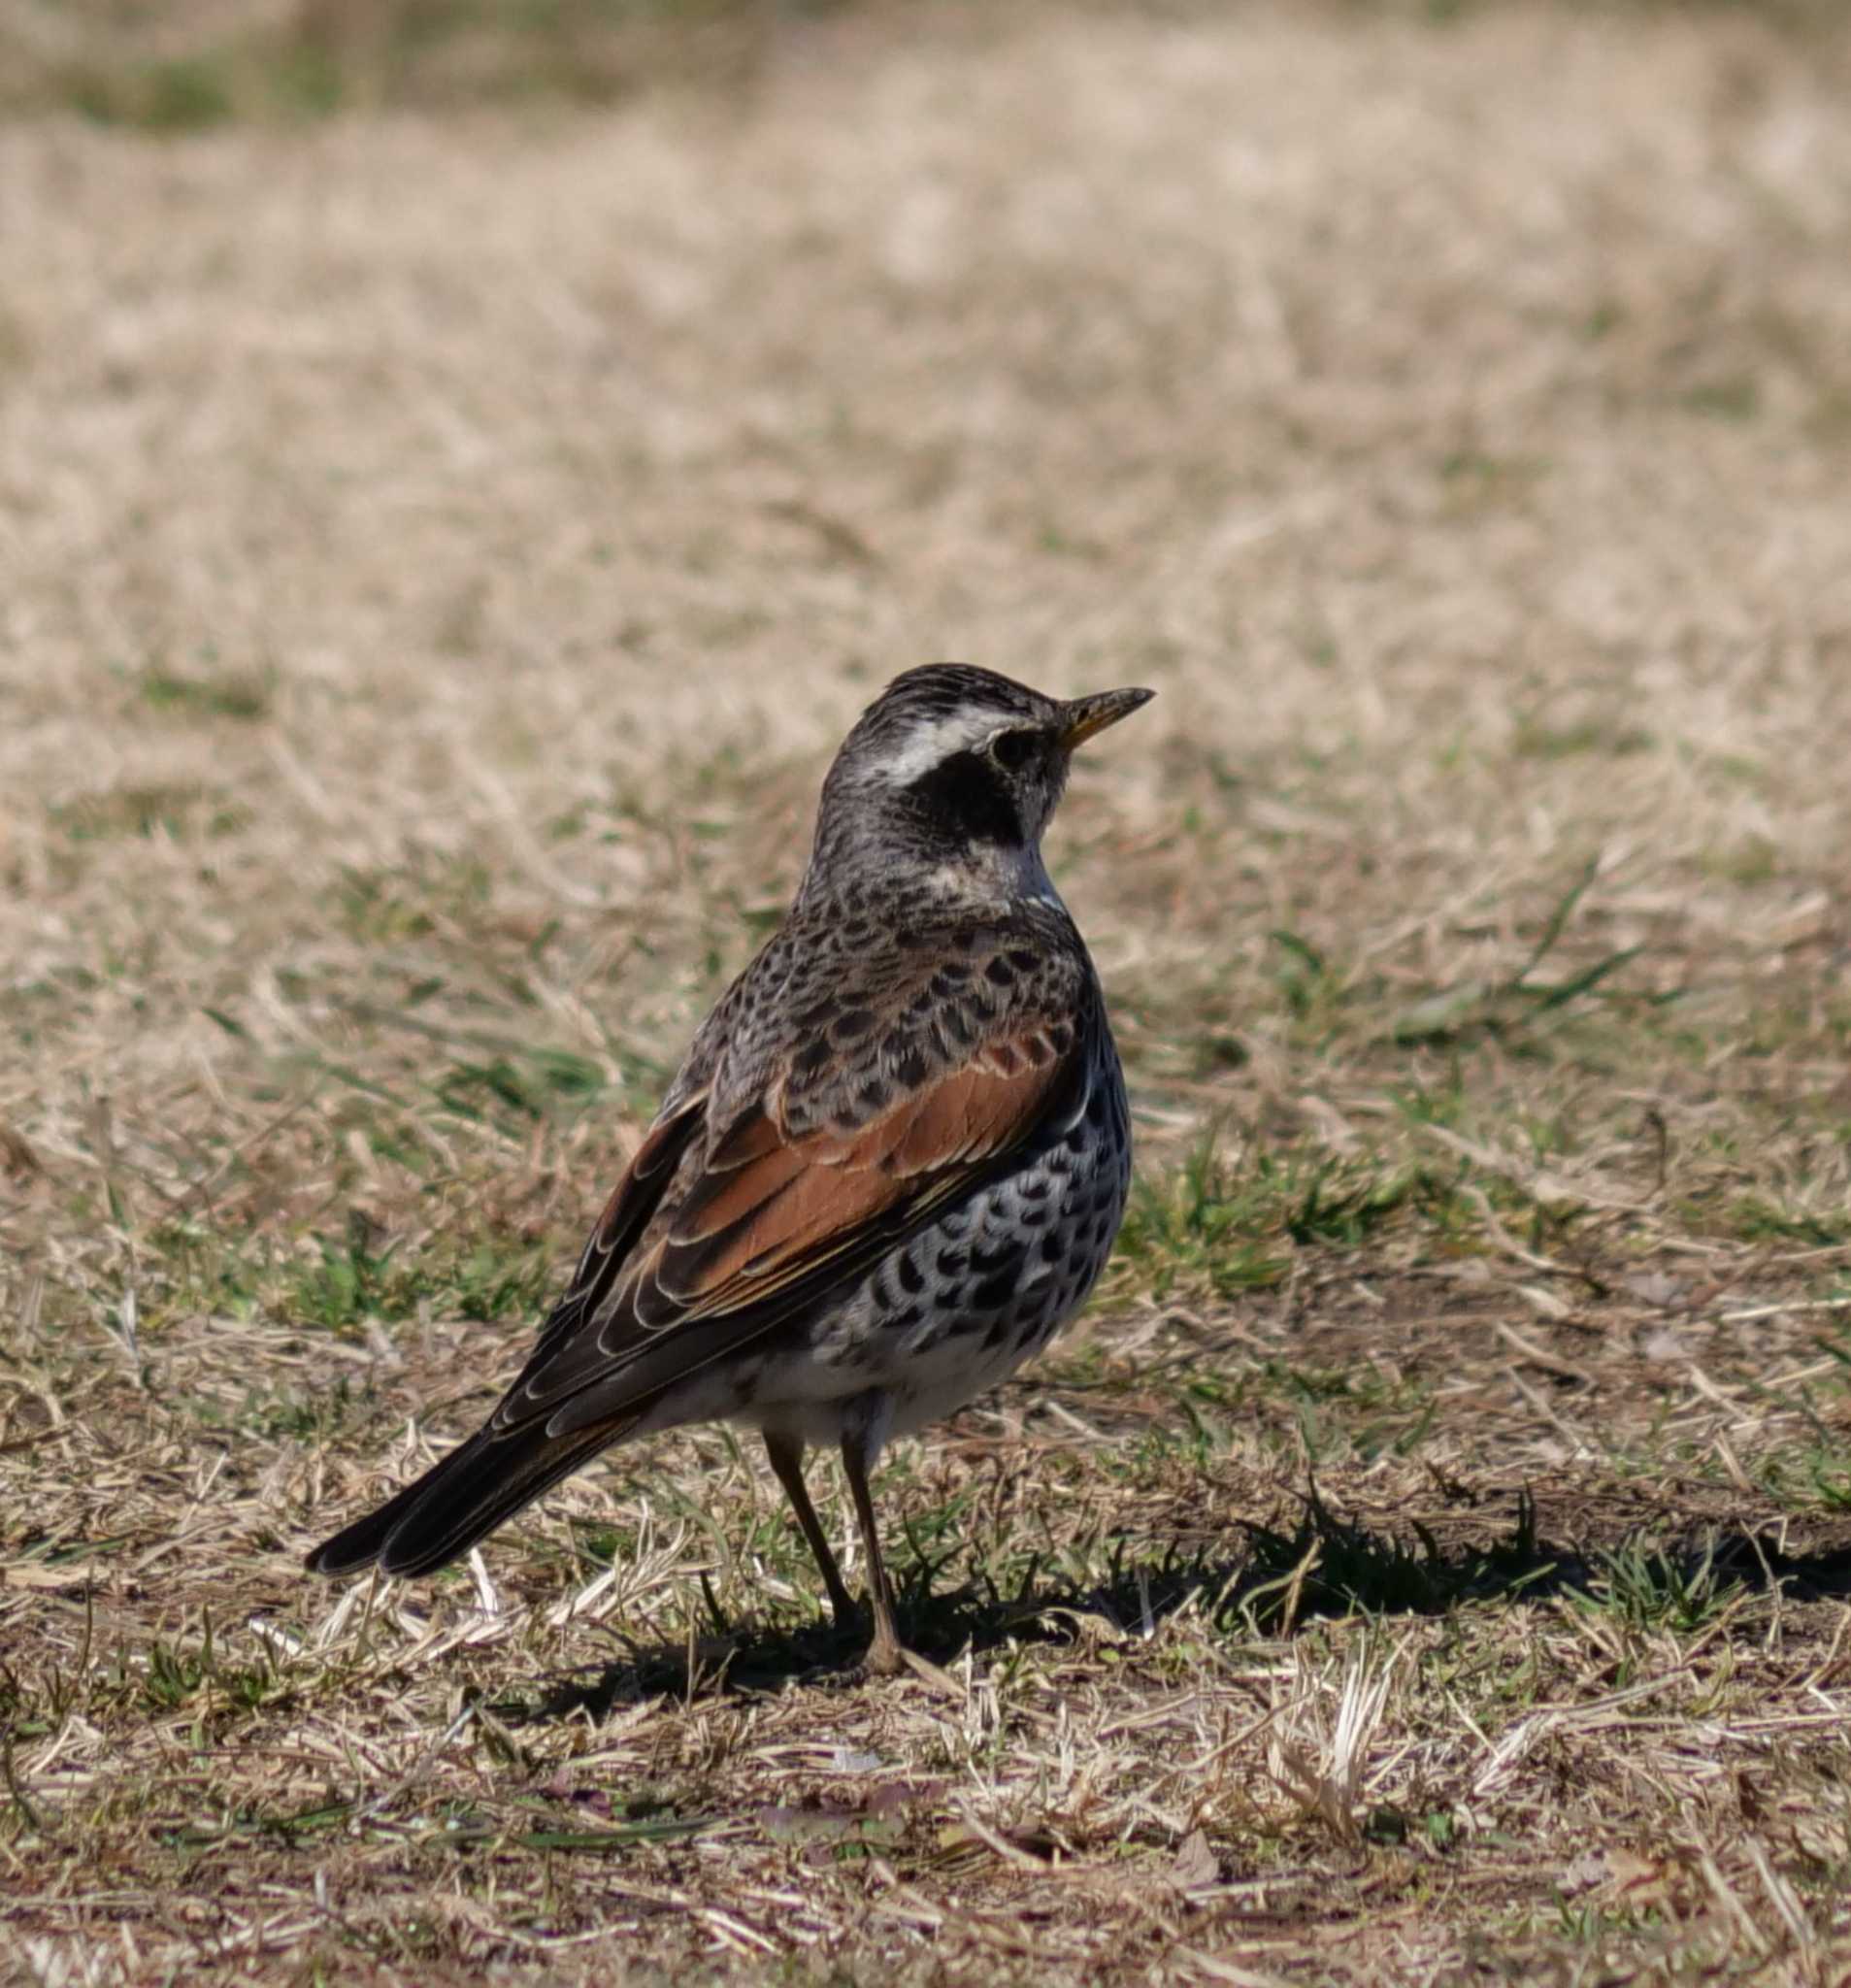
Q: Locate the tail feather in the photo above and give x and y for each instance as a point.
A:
(460, 1500)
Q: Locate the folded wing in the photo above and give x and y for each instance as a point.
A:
(720, 1233)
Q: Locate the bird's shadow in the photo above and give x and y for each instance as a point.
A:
(1256, 1579)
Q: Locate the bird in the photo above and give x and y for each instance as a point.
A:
(892, 1164)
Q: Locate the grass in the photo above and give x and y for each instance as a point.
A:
(192, 68)
(429, 617)
(197, 67)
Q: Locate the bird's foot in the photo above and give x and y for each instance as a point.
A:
(886, 1658)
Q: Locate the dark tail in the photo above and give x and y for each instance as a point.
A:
(462, 1498)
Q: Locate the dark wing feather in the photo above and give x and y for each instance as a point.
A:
(470, 1491)
(626, 1216)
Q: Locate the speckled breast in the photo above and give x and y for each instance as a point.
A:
(959, 1305)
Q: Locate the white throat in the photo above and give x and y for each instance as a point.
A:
(993, 875)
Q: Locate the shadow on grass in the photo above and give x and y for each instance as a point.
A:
(1327, 1567)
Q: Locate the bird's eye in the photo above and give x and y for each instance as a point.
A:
(1012, 751)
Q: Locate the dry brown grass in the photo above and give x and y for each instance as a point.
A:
(438, 555)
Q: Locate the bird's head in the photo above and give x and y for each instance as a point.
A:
(956, 764)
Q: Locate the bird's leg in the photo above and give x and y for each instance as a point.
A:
(884, 1656)
(787, 1460)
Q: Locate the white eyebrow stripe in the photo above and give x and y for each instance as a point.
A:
(933, 743)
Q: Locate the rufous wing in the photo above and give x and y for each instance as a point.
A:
(771, 1222)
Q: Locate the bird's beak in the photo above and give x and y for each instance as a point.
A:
(1086, 715)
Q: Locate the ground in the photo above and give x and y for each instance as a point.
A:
(444, 536)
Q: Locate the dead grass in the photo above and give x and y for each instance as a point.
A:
(438, 555)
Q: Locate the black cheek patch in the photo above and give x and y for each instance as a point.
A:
(967, 796)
